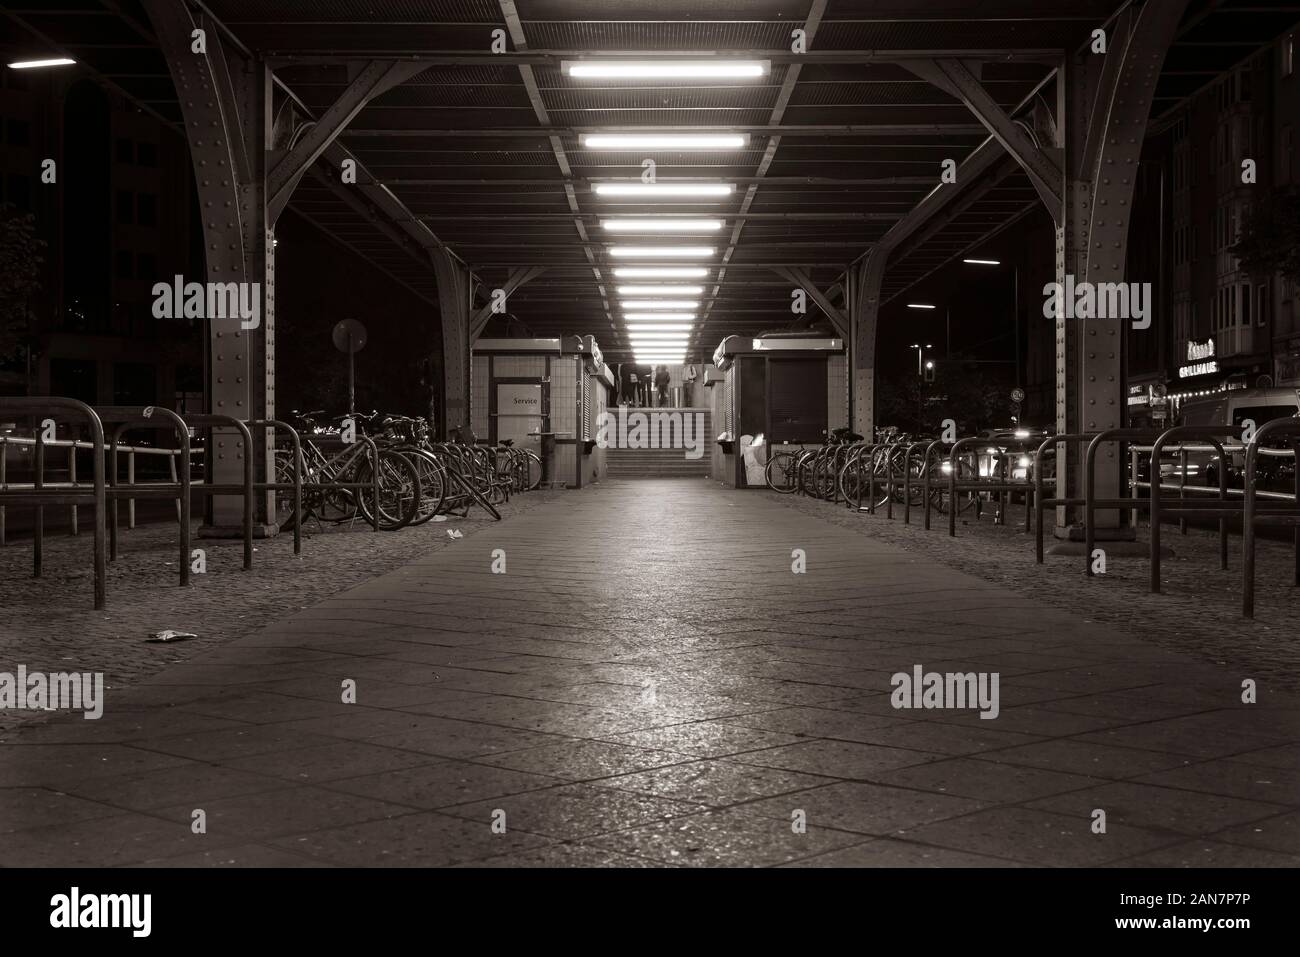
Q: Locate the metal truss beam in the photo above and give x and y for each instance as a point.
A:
(516, 279)
(554, 57)
(801, 279)
(288, 168)
(1043, 166)
(767, 129)
(519, 39)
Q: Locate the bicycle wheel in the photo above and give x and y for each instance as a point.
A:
(283, 464)
(399, 490)
(433, 485)
(779, 472)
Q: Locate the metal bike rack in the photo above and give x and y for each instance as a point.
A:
(930, 457)
(908, 484)
(37, 496)
(246, 487)
(1281, 514)
(1182, 506)
(1042, 502)
(1090, 501)
(153, 417)
(983, 485)
(296, 485)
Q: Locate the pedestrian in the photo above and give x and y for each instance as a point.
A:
(662, 378)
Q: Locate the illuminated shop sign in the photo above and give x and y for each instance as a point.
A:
(1200, 360)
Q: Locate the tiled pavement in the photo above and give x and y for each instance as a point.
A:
(648, 683)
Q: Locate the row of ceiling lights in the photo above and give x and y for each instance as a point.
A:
(660, 318)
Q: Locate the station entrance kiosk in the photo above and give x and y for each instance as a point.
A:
(775, 391)
(544, 395)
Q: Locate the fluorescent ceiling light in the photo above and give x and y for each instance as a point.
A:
(654, 252)
(661, 290)
(661, 190)
(663, 141)
(663, 327)
(33, 64)
(660, 272)
(919, 305)
(660, 304)
(665, 69)
(983, 262)
(661, 225)
(658, 316)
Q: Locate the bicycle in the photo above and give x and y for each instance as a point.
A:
(335, 483)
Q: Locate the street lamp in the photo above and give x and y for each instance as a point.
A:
(1015, 303)
(920, 352)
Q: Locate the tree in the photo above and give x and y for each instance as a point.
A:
(21, 259)
(1270, 236)
(964, 392)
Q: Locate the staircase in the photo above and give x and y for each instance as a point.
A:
(630, 463)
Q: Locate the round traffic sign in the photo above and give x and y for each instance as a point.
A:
(1017, 395)
(349, 335)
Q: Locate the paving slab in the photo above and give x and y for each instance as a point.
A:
(652, 682)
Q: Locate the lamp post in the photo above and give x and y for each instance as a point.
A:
(1015, 303)
(920, 352)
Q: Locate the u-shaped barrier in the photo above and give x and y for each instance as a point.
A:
(94, 496)
(1279, 514)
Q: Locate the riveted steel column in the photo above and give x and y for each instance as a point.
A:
(224, 99)
(1106, 99)
(865, 308)
(454, 304)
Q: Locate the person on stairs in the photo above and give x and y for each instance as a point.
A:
(662, 378)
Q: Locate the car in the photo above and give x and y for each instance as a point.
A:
(1234, 409)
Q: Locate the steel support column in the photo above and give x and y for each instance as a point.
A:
(225, 100)
(454, 292)
(864, 309)
(1106, 102)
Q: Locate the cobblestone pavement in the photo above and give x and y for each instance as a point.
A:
(49, 623)
(1198, 610)
(649, 683)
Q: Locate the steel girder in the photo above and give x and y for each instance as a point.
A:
(1042, 166)
(1106, 101)
(225, 101)
(804, 281)
(286, 168)
(454, 295)
(864, 309)
(517, 278)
